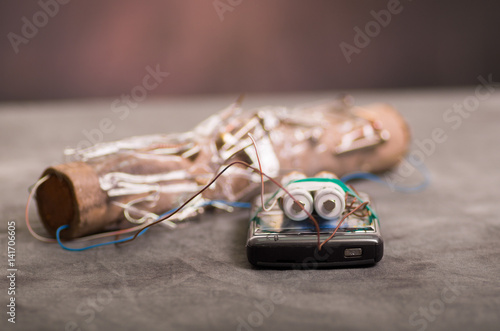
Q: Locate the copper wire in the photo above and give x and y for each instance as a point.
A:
(261, 175)
(316, 224)
(342, 221)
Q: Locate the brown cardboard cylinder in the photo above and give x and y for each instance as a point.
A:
(72, 195)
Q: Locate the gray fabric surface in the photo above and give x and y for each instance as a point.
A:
(440, 270)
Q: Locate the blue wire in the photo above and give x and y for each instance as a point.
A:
(62, 227)
(378, 179)
(235, 204)
(167, 213)
(208, 203)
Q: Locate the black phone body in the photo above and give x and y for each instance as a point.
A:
(277, 241)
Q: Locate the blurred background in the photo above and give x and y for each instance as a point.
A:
(59, 49)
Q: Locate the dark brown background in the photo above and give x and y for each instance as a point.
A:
(101, 48)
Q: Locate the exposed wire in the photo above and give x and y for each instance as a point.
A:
(352, 203)
(364, 213)
(235, 204)
(142, 231)
(26, 212)
(62, 227)
(108, 234)
(359, 207)
(105, 234)
(316, 224)
(352, 188)
(261, 175)
(129, 206)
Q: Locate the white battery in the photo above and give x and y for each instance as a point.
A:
(294, 211)
(329, 202)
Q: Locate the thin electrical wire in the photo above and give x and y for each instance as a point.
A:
(148, 215)
(364, 213)
(342, 221)
(352, 203)
(62, 227)
(26, 211)
(142, 231)
(108, 234)
(127, 207)
(104, 234)
(352, 188)
(316, 224)
(235, 204)
(261, 175)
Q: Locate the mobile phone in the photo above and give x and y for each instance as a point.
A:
(282, 236)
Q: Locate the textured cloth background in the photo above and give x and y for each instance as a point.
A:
(440, 270)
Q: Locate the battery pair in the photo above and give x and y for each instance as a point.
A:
(316, 193)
